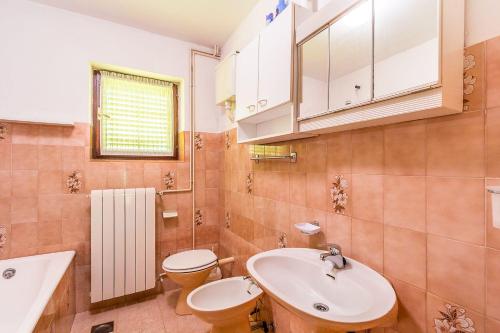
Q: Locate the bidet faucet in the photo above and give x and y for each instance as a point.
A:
(334, 255)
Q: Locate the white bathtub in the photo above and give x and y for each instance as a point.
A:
(24, 296)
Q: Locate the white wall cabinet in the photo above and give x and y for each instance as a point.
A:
(225, 76)
(247, 80)
(275, 63)
(265, 110)
(415, 70)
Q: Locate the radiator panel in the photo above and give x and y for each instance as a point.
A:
(122, 242)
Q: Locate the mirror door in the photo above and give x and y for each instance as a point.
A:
(313, 86)
(351, 57)
(406, 46)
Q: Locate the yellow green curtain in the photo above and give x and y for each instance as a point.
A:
(137, 116)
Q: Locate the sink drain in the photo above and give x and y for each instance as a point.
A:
(321, 307)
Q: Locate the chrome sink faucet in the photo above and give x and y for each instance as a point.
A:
(334, 255)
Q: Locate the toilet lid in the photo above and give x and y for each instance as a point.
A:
(187, 261)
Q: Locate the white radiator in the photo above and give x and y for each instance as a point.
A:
(122, 242)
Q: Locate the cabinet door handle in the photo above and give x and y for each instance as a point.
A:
(357, 86)
(251, 108)
(262, 102)
(348, 102)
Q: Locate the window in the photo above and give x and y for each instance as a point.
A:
(134, 117)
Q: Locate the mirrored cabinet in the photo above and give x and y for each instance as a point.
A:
(314, 67)
(351, 58)
(388, 61)
(406, 46)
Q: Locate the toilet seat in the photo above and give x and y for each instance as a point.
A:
(190, 261)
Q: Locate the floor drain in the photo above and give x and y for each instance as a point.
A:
(103, 328)
(321, 307)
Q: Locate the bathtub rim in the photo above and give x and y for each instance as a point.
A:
(59, 263)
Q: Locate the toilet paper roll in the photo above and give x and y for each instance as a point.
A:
(495, 209)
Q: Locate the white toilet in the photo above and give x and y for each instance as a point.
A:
(190, 270)
(226, 304)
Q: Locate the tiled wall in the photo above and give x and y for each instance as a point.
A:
(38, 212)
(417, 208)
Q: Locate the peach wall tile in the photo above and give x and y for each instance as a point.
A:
(405, 149)
(368, 151)
(153, 175)
(405, 255)
(447, 262)
(367, 197)
(492, 143)
(76, 135)
(24, 235)
(5, 184)
(6, 153)
(338, 231)
(404, 202)
(492, 233)
(455, 145)
(50, 207)
(212, 178)
(297, 186)
(435, 305)
(50, 182)
(95, 176)
(493, 283)
(367, 243)
(411, 309)
(316, 156)
(24, 134)
(74, 230)
(49, 158)
(73, 158)
(492, 325)
(49, 233)
(24, 157)
(213, 160)
(455, 208)
(50, 135)
(24, 209)
(339, 152)
(316, 194)
(24, 183)
(493, 73)
(5, 210)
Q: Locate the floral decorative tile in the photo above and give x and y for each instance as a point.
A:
(3, 236)
(338, 194)
(3, 132)
(169, 180)
(227, 220)
(198, 217)
(198, 141)
(227, 140)
(282, 240)
(473, 77)
(74, 182)
(453, 320)
(249, 183)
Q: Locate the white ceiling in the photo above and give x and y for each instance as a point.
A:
(205, 22)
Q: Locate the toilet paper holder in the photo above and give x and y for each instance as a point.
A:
(495, 205)
(494, 189)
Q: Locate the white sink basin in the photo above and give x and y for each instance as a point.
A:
(358, 298)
